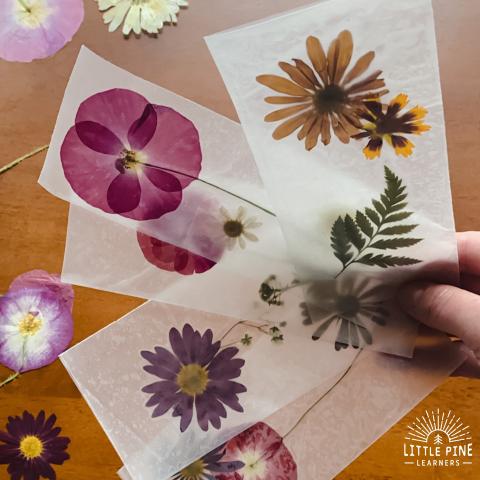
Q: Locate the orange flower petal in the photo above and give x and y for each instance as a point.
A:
(282, 100)
(326, 135)
(288, 127)
(312, 137)
(360, 67)
(339, 131)
(282, 85)
(285, 113)
(317, 57)
(344, 54)
(297, 75)
(307, 71)
(307, 125)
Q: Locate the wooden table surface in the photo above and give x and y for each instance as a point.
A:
(33, 223)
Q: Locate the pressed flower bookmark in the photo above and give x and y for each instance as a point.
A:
(351, 148)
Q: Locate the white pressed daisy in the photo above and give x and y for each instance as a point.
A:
(237, 228)
(147, 15)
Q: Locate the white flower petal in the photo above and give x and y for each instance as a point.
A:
(250, 236)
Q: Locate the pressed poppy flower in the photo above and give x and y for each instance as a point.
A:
(263, 453)
(138, 15)
(347, 305)
(36, 322)
(198, 373)
(237, 228)
(208, 467)
(31, 445)
(31, 29)
(172, 258)
(387, 123)
(323, 98)
(122, 154)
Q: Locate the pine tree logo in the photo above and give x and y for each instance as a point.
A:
(438, 439)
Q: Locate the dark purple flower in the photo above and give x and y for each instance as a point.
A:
(172, 258)
(36, 322)
(31, 445)
(208, 467)
(120, 154)
(196, 373)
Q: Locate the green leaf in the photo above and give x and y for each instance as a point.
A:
(353, 232)
(373, 216)
(385, 261)
(397, 230)
(364, 224)
(397, 217)
(394, 243)
(398, 206)
(379, 208)
(340, 242)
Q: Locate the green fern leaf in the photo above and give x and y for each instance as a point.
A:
(364, 224)
(373, 216)
(397, 217)
(397, 230)
(394, 243)
(385, 261)
(353, 233)
(340, 242)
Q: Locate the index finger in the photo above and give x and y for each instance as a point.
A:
(468, 244)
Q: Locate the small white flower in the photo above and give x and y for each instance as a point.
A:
(147, 15)
(236, 228)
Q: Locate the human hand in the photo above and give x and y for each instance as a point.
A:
(450, 309)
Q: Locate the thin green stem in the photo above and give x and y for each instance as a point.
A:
(309, 409)
(177, 172)
(9, 379)
(22, 158)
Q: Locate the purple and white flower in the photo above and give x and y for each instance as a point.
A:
(31, 29)
(197, 374)
(36, 322)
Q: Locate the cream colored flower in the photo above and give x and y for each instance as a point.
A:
(236, 228)
(147, 15)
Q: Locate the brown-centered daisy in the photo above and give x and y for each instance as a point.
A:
(237, 228)
(387, 123)
(326, 96)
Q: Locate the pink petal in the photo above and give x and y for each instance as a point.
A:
(22, 43)
(163, 180)
(43, 279)
(141, 131)
(123, 194)
(98, 138)
(172, 258)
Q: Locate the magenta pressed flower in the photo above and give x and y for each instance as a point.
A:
(31, 29)
(31, 445)
(208, 467)
(127, 156)
(172, 258)
(197, 374)
(263, 453)
(36, 322)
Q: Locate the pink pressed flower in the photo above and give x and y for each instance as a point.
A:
(263, 453)
(127, 156)
(172, 258)
(31, 29)
(36, 322)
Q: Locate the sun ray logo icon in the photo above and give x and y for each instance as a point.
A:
(432, 423)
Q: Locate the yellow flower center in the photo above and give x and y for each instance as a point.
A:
(132, 160)
(31, 447)
(192, 379)
(31, 13)
(233, 228)
(193, 471)
(30, 325)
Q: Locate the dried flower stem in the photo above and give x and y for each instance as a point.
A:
(309, 409)
(9, 379)
(22, 158)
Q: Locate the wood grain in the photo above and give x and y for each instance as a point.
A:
(33, 223)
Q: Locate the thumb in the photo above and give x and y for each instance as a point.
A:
(446, 308)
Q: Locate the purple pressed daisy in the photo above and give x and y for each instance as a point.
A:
(196, 373)
(31, 445)
(127, 156)
(31, 29)
(209, 466)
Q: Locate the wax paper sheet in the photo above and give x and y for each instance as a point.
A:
(157, 447)
(116, 252)
(341, 105)
(319, 445)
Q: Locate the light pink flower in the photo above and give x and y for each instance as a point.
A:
(31, 29)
